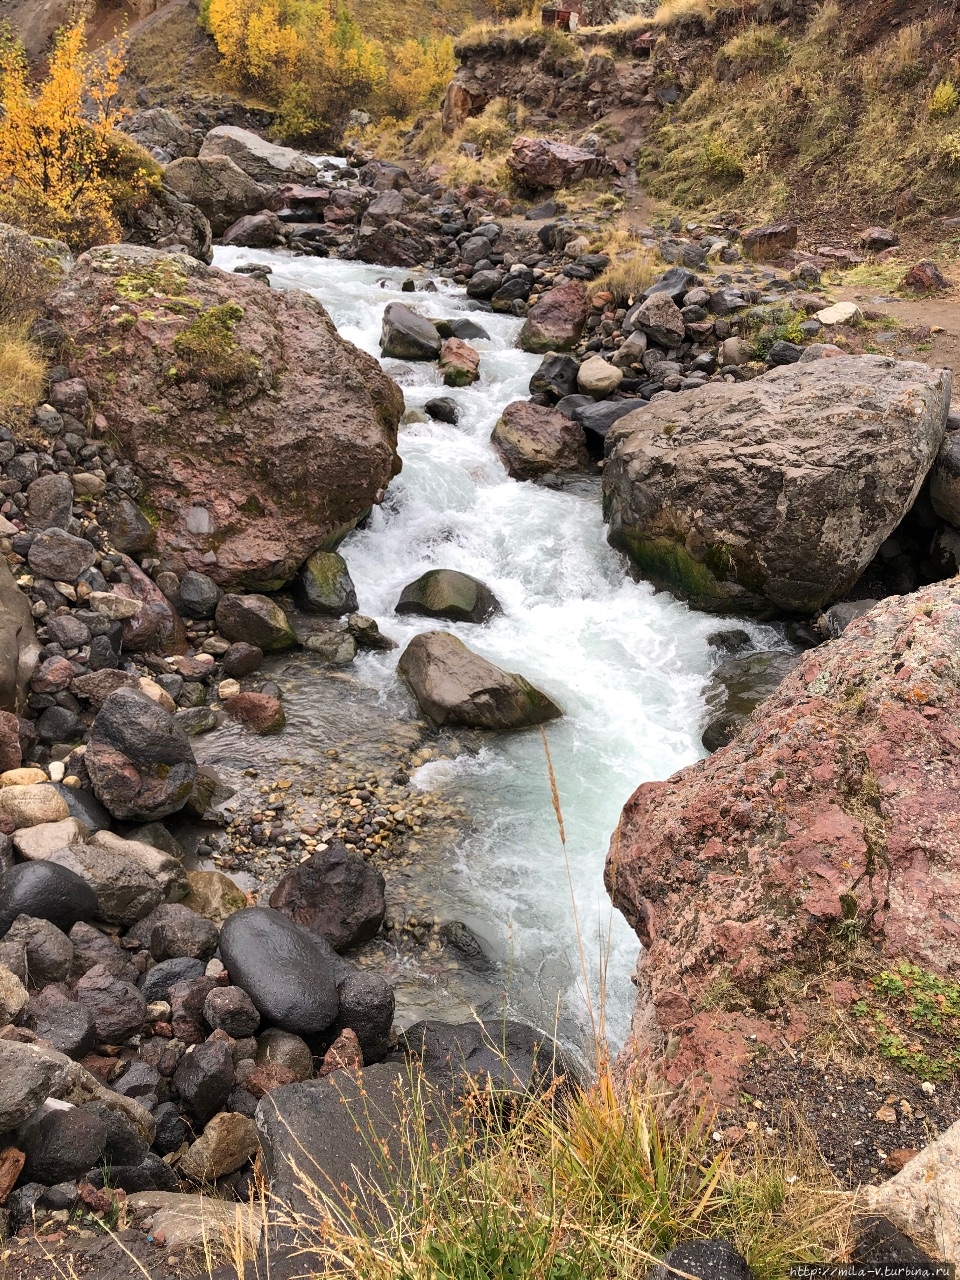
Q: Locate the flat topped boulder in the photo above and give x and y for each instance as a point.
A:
(292, 430)
(262, 160)
(542, 164)
(454, 685)
(447, 593)
(773, 495)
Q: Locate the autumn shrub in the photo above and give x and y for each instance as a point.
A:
(419, 73)
(65, 171)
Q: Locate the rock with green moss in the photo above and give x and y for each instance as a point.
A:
(447, 593)
(258, 434)
(772, 496)
(323, 585)
(453, 685)
(255, 620)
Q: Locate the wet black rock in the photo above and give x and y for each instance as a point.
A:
(447, 593)
(705, 1260)
(288, 972)
(63, 1145)
(443, 409)
(47, 891)
(156, 984)
(511, 1056)
(199, 595)
(367, 1006)
(556, 377)
(323, 585)
(172, 1130)
(241, 659)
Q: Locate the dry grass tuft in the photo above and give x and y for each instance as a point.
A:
(22, 372)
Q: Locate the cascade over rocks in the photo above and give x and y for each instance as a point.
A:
(292, 430)
(826, 808)
(773, 494)
(454, 685)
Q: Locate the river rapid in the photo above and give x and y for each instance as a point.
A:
(626, 664)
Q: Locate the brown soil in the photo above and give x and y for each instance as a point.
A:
(78, 1254)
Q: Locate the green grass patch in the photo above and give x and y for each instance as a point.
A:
(209, 350)
(914, 1017)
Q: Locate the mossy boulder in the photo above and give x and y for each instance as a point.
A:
(255, 620)
(323, 585)
(447, 593)
(259, 435)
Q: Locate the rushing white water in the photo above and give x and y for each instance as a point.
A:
(626, 664)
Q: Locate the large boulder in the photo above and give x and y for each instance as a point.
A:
(19, 647)
(535, 441)
(556, 320)
(447, 593)
(264, 161)
(217, 187)
(335, 893)
(832, 815)
(541, 164)
(167, 221)
(292, 430)
(289, 973)
(774, 494)
(454, 685)
(140, 762)
(407, 336)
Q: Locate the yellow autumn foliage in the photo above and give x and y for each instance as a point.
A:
(316, 65)
(65, 172)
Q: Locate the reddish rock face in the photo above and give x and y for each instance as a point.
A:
(544, 165)
(259, 434)
(772, 241)
(534, 441)
(556, 319)
(836, 809)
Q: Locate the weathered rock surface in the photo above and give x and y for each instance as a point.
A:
(166, 221)
(335, 893)
(292, 430)
(542, 164)
(264, 161)
(923, 1199)
(217, 187)
(447, 593)
(773, 494)
(323, 585)
(459, 363)
(255, 620)
(454, 685)
(19, 647)
(535, 441)
(408, 336)
(945, 480)
(556, 320)
(140, 762)
(836, 803)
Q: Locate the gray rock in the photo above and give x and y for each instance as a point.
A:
(335, 893)
(285, 1050)
(773, 494)
(63, 1145)
(945, 480)
(130, 531)
(199, 595)
(737, 687)
(838, 617)
(166, 221)
(407, 336)
(181, 933)
(36, 951)
(254, 231)
(264, 161)
(216, 186)
(256, 620)
(46, 891)
(288, 972)
(203, 1080)
(660, 319)
(454, 685)
(140, 764)
(367, 1006)
(556, 376)
(323, 585)
(56, 554)
(91, 947)
(125, 891)
(156, 983)
(447, 593)
(336, 648)
(443, 409)
(242, 659)
(25, 1081)
(507, 1056)
(66, 1026)
(50, 501)
(19, 647)
(230, 1009)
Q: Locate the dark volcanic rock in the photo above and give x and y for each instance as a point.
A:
(45, 890)
(323, 585)
(407, 336)
(255, 620)
(704, 1259)
(118, 1009)
(203, 1080)
(64, 1145)
(510, 1055)
(335, 893)
(288, 972)
(140, 763)
(157, 982)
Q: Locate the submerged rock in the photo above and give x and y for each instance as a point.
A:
(773, 494)
(454, 685)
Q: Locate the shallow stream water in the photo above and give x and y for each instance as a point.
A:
(626, 664)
